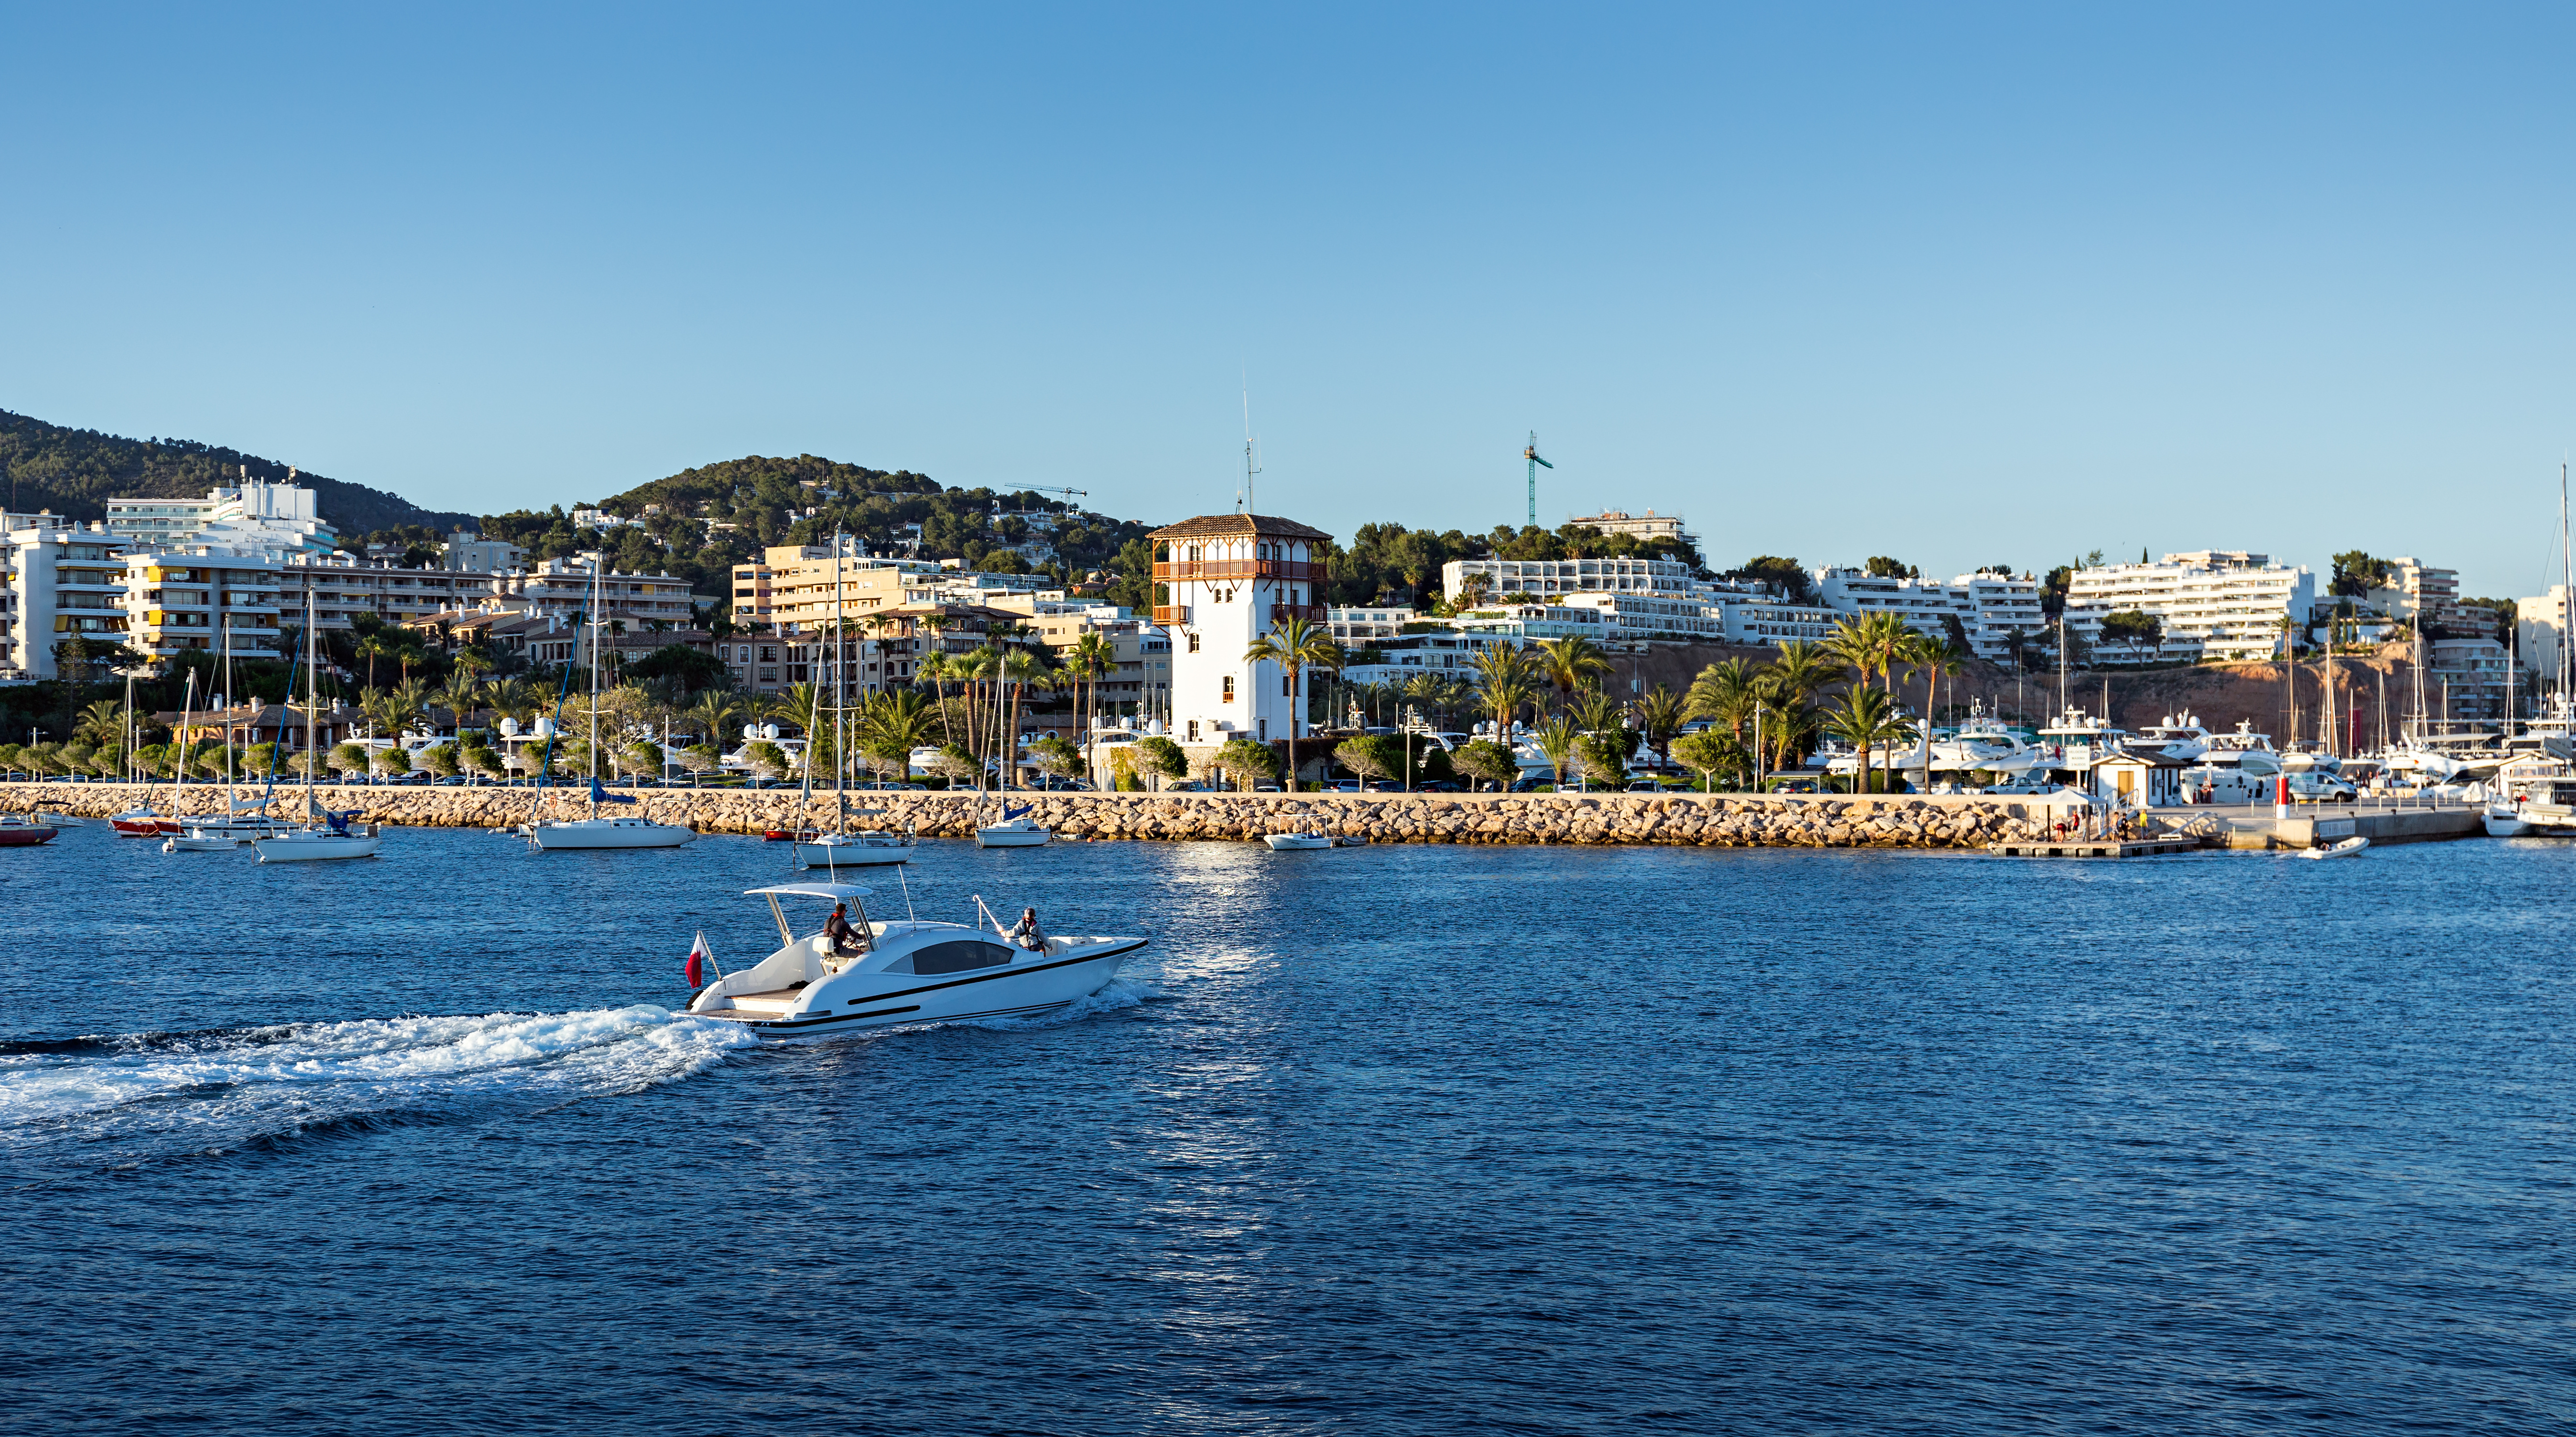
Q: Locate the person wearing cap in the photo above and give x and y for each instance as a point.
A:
(837, 928)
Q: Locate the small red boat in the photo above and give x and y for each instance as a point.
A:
(142, 823)
(21, 833)
(781, 835)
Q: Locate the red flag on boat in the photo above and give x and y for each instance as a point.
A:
(698, 957)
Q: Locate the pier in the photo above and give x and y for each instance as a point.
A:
(2099, 848)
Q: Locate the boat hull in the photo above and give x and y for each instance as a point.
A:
(26, 835)
(314, 848)
(582, 833)
(903, 1000)
(1296, 842)
(835, 855)
(145, 826)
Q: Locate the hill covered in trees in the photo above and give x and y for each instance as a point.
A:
(74, 472)
(700, 522)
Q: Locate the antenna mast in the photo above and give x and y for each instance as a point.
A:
(1249, 467)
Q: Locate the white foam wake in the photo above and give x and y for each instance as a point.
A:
(313, 1070)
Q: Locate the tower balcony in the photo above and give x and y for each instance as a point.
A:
(1182, 571)
(1312, 613)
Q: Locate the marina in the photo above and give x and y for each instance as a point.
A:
(1290, 1087)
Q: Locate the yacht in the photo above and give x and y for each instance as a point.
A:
(2244, 750)
(901, 972)
(1297, 842)
(16, 832)
(2535, 798)
(2180, 736)
(2074, 742)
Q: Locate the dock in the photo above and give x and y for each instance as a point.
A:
(2097, 847)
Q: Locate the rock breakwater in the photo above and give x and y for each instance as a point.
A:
(1704, 820)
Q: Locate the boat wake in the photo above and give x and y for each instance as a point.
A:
(1121, 992)
(245, 1088)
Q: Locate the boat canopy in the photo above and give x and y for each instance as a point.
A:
(833, 891)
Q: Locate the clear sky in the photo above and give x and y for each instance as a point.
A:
(1964, 285)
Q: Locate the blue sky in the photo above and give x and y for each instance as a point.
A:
(1995, 285)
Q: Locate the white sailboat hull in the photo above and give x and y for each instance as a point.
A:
(1293, 842)
(608, 833)
(1010, 835)
(853, 853)
(314, 847)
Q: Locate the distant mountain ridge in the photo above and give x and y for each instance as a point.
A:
(74, 472)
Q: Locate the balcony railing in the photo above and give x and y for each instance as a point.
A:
(1182, 571)
(1171, 613)
(1312, 613)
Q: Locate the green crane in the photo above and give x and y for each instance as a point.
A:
(1535, 465)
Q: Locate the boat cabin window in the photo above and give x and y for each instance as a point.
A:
(953, 957)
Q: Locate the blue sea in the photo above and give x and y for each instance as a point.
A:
(1391, 1139)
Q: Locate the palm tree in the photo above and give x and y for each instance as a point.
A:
(1557, 738)
(1091, 656)
(934, 670)
(1659, 716)
(1020, 669)
(1506, 678)
(1803, 669)
(892, 725)
(1570, 662)
(1725, 693)
(709, 716)
(371, 648)
(458, 694)
(101, 724)
(1938, 657)
(1865, 718)
(1295, 645)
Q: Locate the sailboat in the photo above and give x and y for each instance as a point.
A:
(325, 834)
(842, 847)
(241, 822)
(139, 821)
(595, 831)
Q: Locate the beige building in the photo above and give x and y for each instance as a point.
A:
(2426, 597)
(1649, 525)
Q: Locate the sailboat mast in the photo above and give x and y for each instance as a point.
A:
(312, 693)
(596, 622)
(840, 688)
(2566, 599)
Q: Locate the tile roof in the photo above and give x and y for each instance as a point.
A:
(1218, 526)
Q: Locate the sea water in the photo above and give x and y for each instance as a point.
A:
(1390, 1139)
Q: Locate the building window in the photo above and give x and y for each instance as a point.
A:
(1229, 688)
(1194, 643)
(1283, 688)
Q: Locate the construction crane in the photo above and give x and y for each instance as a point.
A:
(1535, 465)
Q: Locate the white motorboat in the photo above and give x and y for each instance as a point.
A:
(325, 835)
(2344, 849)
(1294, 842)
(1016, 830)
(865, 849)
(2502, 821)
(2535, 798)
(2179, 736)
(900, 973)
(203, 840)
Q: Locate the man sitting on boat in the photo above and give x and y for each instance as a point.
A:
(1028, 934)
(844, 939)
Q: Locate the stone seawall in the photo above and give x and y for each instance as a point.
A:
(1714, 820)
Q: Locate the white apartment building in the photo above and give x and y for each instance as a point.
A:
(1221, 582)
(1924, 604)
(468, 552)
(2000, 603)
(2540, 627)
(1649, 525)
(286, 514)
(2229, 601)
(1528, 623)
(1359, 626)
(2426, 597)
(1757, 616)
(1547, 579)
(1637, 618)
(58, 582)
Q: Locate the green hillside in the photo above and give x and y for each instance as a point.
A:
(74, 472)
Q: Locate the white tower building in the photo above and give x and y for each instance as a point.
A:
(1220, 583)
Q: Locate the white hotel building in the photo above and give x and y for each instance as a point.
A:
(1546, 579)
(2228, 601)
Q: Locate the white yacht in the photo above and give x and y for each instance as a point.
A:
(901, 972)
(2075, 742)
(1296, 842)
(2180, 736)
(2244, 750)
(2535, 798)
